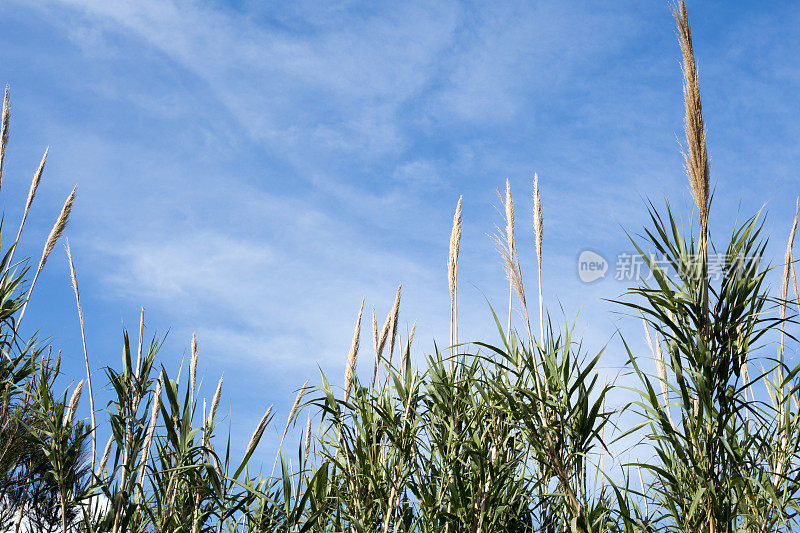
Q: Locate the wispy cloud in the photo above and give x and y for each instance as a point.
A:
(253, 171)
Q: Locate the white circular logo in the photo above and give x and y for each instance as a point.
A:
(591, 266)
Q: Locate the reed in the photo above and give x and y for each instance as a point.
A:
(452, 272)
(515, 435)
(352, 357)
(52, 239)
(74, 279)
(695, 153)
(37, 178)
(193, 368)
(215, 401)
(4, 127)
(538, 231)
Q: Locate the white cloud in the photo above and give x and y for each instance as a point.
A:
(357, 71)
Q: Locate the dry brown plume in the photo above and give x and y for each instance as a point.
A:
(695, 153)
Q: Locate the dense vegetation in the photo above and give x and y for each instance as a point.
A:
(512, 436)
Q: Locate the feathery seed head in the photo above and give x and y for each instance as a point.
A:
(295, 406)
(353, 355)
(455, 242)
(141, 342)
(4, 123)
(58, 229)
(537, 217)
(215, 400)
(106, 455)
(787, 261)
(193, 363)
(659, 360)
(73, 402)
(695, 155)
(393, 317)
(407, 349)
(374, 331)
(151, 427)
(37, 178)
(307, 444)
(509, 206)
(258, 431)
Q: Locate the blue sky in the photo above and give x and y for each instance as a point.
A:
(252, 170)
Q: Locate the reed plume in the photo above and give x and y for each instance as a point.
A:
(787, 267)
(661, 368)
(215, 400)
(796, 293)
(394, 316)
(504, 241)
(695, 154)
(407, 349)
(37, 178)
(511, 247)
(537, 233)
(374, 331)
(352, 357)
(644, 493)
(507, 248)
(73, 403)
(290, 419)
(380, 342)
(452, 272)
(6, 119)
(307, 443)
(52, 239)
(151, 427)
(193, 368)
(140, 346)
(256, 436)
(74, 279)
(106, 454)
(743, 370)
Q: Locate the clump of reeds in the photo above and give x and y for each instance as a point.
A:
(500, 438)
